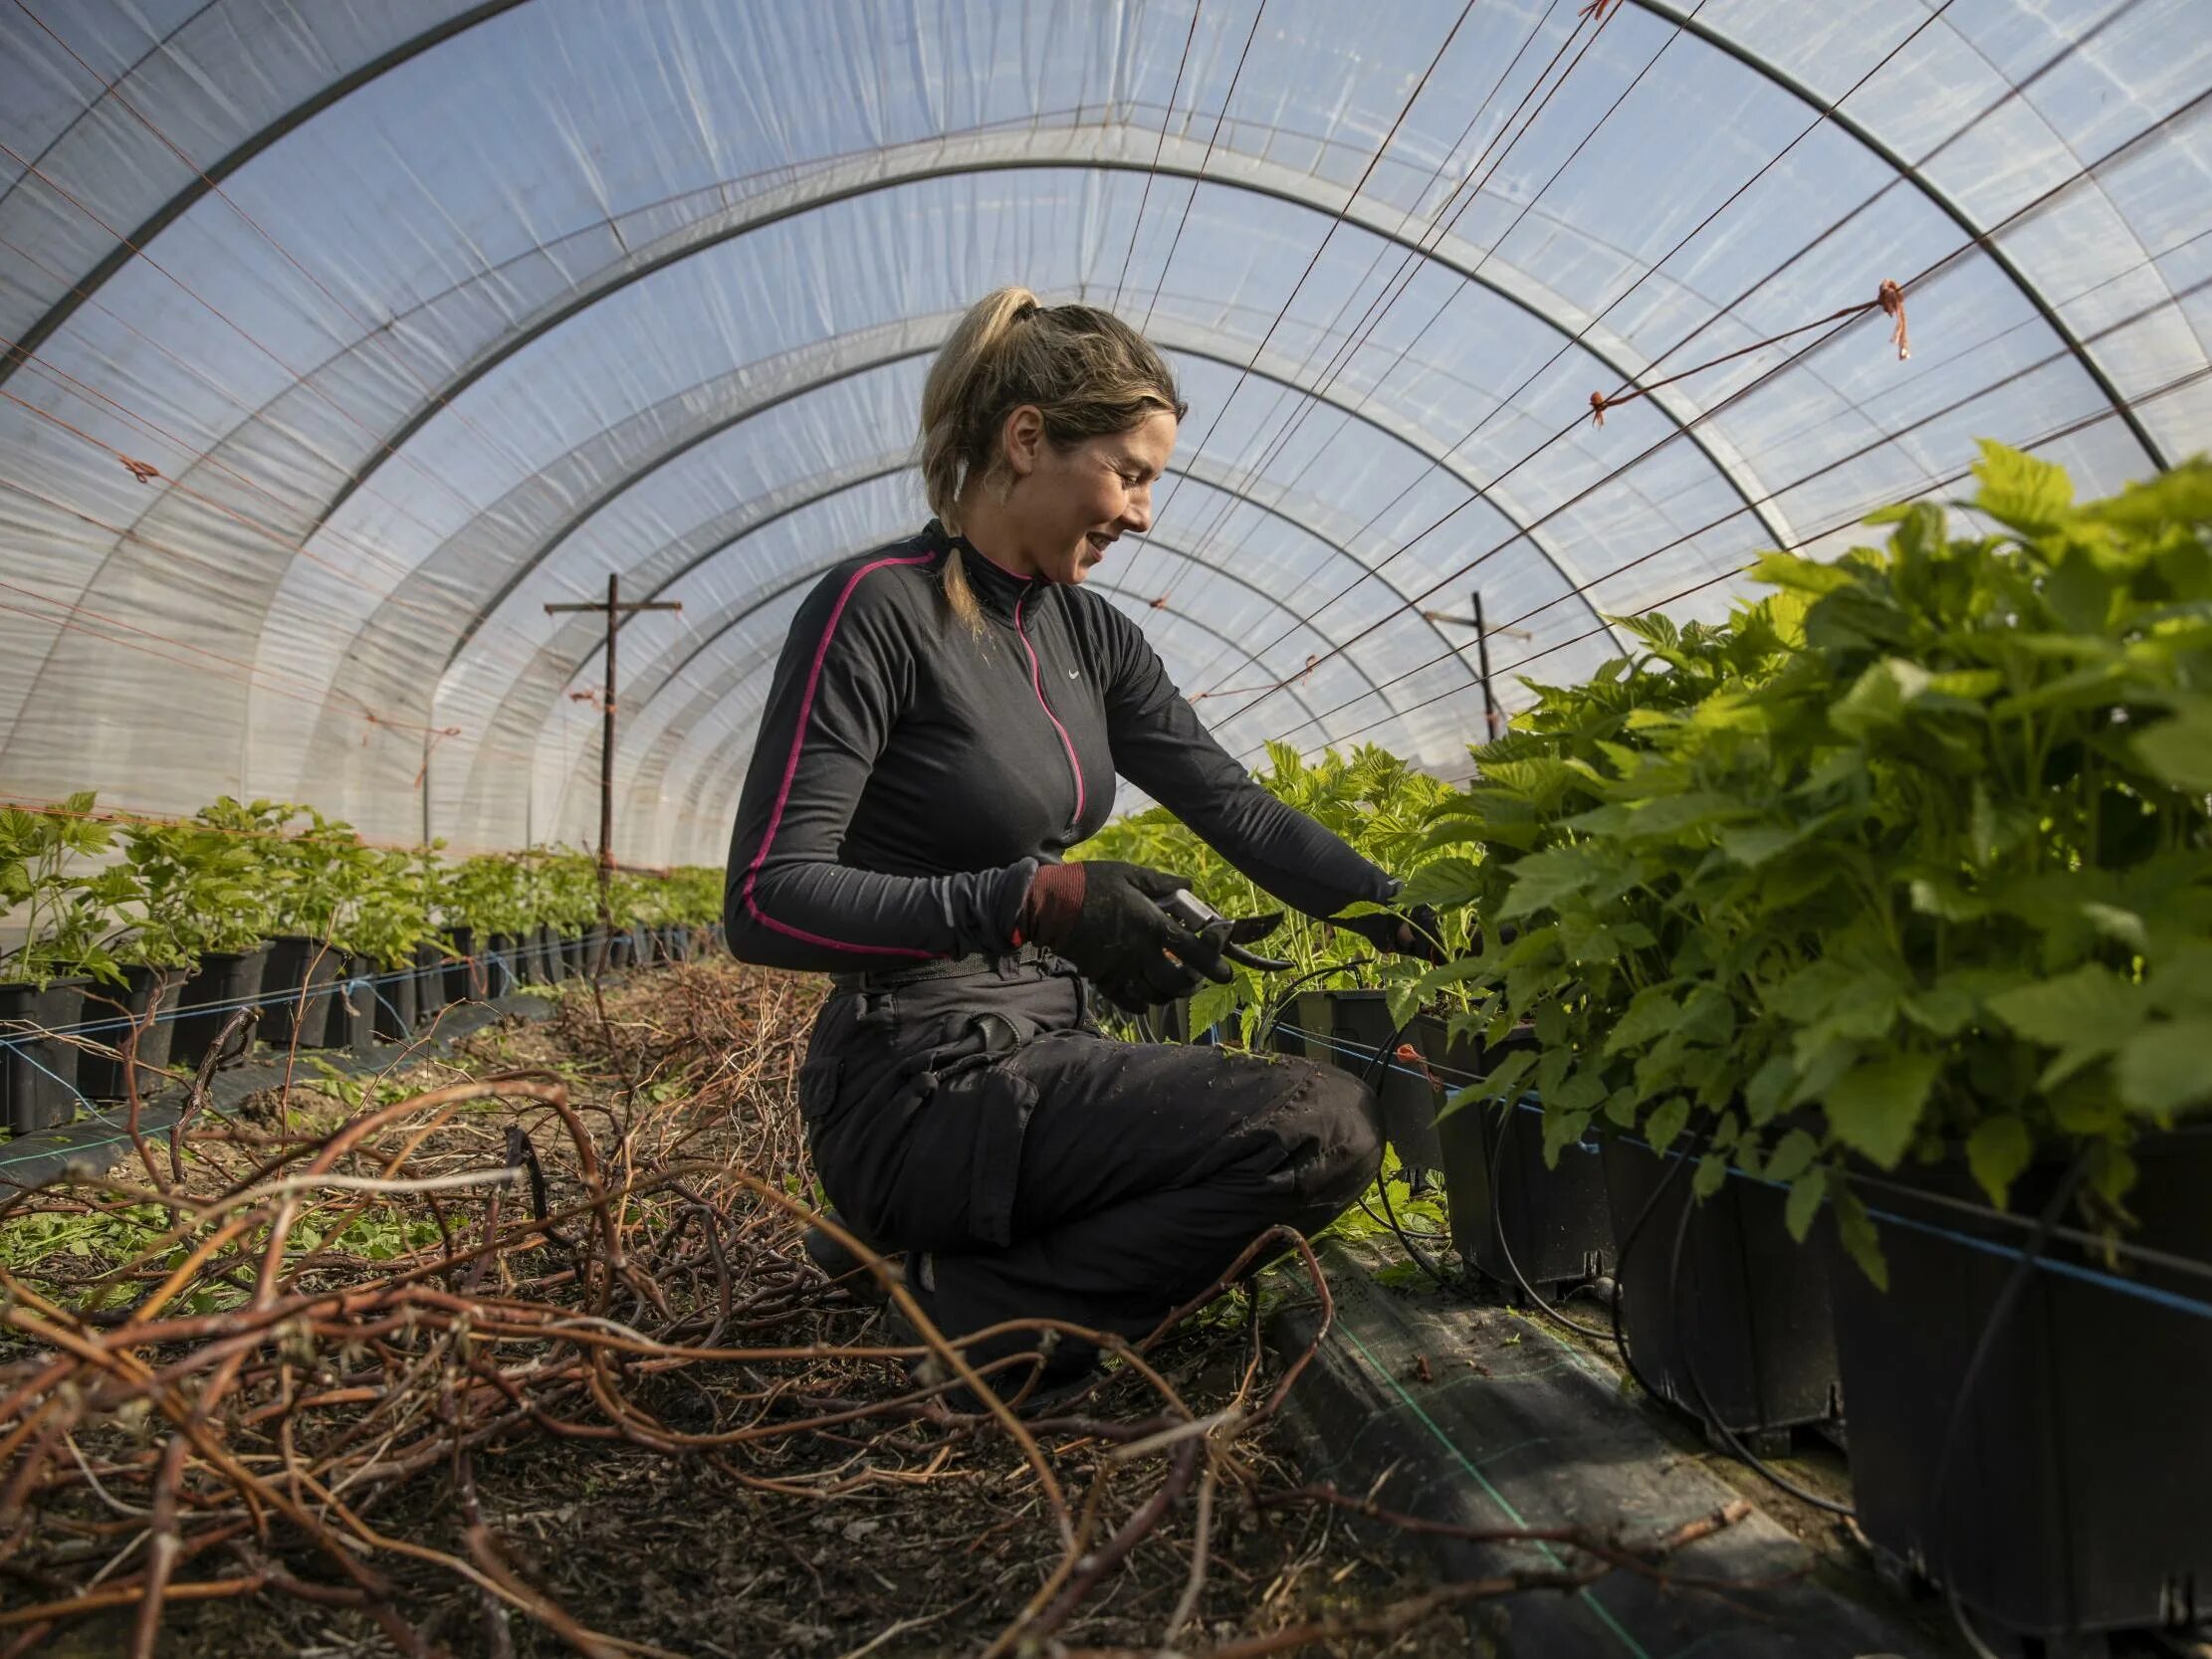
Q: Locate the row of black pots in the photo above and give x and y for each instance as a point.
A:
(301, 989)
(2027, 1437)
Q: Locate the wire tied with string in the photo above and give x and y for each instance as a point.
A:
(145, 472)
(1597, 10)
(1888, 300)
(1891, 298)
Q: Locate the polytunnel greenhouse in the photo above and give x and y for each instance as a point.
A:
(1158, 827)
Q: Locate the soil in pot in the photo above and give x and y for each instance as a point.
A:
(107, 1008)
(38, 1073)
(1725, 1314)
(2072, 1497)
(296, 984)
(223, 983)
(1510, 1210)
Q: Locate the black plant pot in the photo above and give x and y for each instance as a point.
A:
(38, 1074)
(351, 1022)
(296, 982)
(430, 985)
(1345, 1028)
(522, 957)
(1736, 1319)
(223, 983)
(575, 950)
(679, 940)
(642, 954)
(466, 974)
(2074, 1497)
(1510, 1210)
(110, 1011)
(395, 1013)
(552, 962)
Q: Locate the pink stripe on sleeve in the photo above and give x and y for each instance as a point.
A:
(790, 771)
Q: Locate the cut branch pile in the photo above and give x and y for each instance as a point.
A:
(280, 1362)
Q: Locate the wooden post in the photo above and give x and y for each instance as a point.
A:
(615, 609)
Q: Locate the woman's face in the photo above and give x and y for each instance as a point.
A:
(1068, 506)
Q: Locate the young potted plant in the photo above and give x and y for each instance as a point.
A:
(388, 926)
(1608, 946)
(69, 914)
(201, 892)
(313, 873)
(1999, 747)
(483, 917)
(131, 1027)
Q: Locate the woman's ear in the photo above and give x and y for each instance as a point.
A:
(1023, 438)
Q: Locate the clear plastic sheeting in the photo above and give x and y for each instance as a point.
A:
(339, 339)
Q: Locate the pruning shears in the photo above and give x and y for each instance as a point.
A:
(1222, 937)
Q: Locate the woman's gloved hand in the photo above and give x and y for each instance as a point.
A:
(1408, 933)
(1105, 918)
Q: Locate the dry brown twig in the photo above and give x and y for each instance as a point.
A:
(318, 1329)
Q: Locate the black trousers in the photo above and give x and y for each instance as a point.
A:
(1054, 1171)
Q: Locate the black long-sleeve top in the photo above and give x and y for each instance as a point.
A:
(909, 777)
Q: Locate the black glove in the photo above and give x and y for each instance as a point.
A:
(1105, 918)
(1410, 932)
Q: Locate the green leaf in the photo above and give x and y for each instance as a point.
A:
(1806, 1193)
(2168, 1065)
(1561, 1130)
(2179, 750)
(1502, 1083)
(1542, 879)
(1792, 1156)
(2021, 492)
(1876, 1105)
(1857, 1231)
(1804, 575)
(1667, 1122)
(1751, 845)
(1551, 1022)
(1651, 1013)
(1712, 1173)
(1997, 1150)
(1586, 940)
(1878, 698)
(2086, 1015)
(1210, 1005)
(1769, 1086)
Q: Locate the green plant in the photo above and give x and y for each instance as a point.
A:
(1374, 800)
(390, 915)
(200, 888)
(69, 911)
(487, 892)
(1928, 874)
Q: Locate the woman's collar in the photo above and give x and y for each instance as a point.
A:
(996, 588)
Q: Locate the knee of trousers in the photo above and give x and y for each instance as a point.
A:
(1349, 1155)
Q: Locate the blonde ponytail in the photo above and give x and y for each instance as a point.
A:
(1088, 372)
